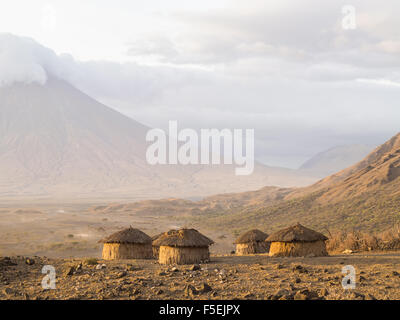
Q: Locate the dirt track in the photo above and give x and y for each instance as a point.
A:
(227, 277)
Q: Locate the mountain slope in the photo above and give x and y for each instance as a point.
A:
(365, 196)
(334, 160)
(57, 142)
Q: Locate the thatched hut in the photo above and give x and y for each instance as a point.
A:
(183, 246)
(127, 244)
(297, 241)
(251, 242)
(156, 249)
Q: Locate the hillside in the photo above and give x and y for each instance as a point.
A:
(334, 160)
(365, 196)
(58, 143)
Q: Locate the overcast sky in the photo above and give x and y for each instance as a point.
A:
(288, 69)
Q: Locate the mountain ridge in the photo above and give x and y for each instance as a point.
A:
(365, 196)
(57, 142)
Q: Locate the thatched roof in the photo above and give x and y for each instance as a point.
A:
(296, 233)
(129, 235)
(251, 236)
(183, 238)
(156, 236)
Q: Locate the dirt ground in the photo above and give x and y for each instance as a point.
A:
(225, 277)
(72, 230)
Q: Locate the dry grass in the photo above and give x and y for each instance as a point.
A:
(183, 255)
(252, 247)
(113, 251)
(298, 249)
(362, 241)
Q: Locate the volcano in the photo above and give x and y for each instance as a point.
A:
(56, 141)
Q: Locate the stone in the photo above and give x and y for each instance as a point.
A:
(70, 271)
(190, 291)
(195, 267)
(281, 292)
(286, 297)
(135, 291)
(300, 269)
(100, 266)
(205, 288)
(323, 292)
(8, 291)
(305, 294)
(248, 295)
(347, 251)
(121, 274)
(356, 296)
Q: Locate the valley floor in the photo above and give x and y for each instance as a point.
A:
(226, 277)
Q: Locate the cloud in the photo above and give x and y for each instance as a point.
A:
(288, 70)
(24, 60)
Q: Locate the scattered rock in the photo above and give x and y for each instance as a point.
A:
(305, 294)
(205, 288)
(281, 292)
(249, 295)
(130, 267)
(8, 291)
(100, 266)
(70, 271)
(286, 297)
(300, 269)
(30, 262)
(174, 269)
(121, 274)
(347, 251)
(6, 262)
(195, 267)
(356, 296)
(190, 291)
(135, 292)
(323, 292)
(158, 292)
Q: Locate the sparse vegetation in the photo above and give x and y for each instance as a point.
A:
(362, 241)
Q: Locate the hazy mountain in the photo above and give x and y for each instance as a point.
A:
(56, 141)
(334, 160)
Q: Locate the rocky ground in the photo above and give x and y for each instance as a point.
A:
(226, 277)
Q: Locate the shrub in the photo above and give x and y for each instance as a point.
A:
(362, 241)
